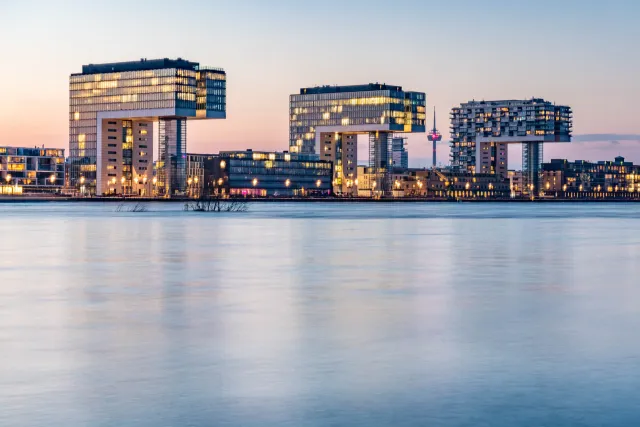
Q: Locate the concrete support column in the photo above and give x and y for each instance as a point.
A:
(172, 172)
(380, 156)
(532, 157)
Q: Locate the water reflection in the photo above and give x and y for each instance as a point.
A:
(315, 315)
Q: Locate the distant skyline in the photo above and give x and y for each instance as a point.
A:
(578, 53)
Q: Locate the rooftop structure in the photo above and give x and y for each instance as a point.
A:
(112, 108)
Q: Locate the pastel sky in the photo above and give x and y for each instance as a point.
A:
(583, 53)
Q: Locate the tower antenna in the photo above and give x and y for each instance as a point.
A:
(434, 136)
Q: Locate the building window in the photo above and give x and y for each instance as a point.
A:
(112, 152)
(112, 123)
(112, 137)
(112, 130)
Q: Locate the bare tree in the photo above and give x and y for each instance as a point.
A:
(138, 207)
(216, 203)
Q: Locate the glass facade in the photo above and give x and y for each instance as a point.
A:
(147, 89)
(352, 109)
(252, 173)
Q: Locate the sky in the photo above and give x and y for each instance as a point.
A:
(579, 53)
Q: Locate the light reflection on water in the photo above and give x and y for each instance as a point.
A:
(320, 314)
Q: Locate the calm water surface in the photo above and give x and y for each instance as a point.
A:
(320, 315)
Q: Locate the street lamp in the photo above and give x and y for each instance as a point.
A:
(287, 183)
(52, 178)
(255, 181)
(318, 183)
(8, 178)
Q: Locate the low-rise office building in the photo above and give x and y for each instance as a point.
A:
(434, 183)
(31, 169)
(617, 178)
(259, 174)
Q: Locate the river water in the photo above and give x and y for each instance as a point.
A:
(320, 315)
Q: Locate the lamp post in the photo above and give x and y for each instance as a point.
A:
(144, 184)
(8, 178)
(122, 180)
(82, 185)
(189, 181)
(137, 180)
(155, 183)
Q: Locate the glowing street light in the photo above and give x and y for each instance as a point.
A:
(255, 181)
(318, 183)
(82, 180)
(8, 177)
(287, 183)
(52, 178)
(189, 181)
(195, 180)
(136, 180)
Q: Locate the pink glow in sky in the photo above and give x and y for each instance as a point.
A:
(583, 53)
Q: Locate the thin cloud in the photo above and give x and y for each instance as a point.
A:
(614, 138)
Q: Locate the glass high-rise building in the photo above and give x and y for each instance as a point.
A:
(323, 121)
(112, 108)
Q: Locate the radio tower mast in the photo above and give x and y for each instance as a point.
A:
(434, 136)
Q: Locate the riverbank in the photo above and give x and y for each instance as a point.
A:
(45, 199)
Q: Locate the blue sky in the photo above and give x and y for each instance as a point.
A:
(580, 53)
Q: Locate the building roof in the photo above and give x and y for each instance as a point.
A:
(145, 64)
(353, 88)
(501, 102)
